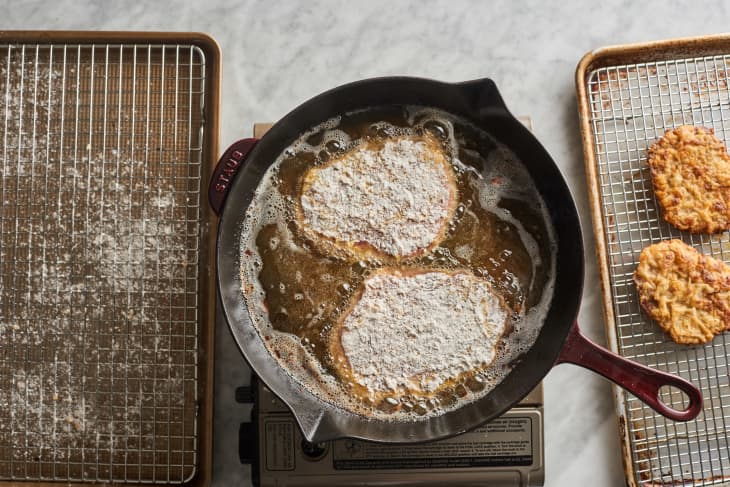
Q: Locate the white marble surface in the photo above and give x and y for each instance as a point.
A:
(277, 54)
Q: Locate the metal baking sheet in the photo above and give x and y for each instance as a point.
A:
(628, 97)
(106, 343)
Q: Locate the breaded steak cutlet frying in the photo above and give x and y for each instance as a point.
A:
(381, 200)
(687, 293)
(417, 331)
(690, 170)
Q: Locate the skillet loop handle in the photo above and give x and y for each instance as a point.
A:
(642, 381)
(228, 166)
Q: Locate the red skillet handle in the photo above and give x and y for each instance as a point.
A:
(226, 169)
(638, 379)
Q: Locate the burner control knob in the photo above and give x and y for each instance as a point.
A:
(248, 444)
(313, 451)
(244, 394)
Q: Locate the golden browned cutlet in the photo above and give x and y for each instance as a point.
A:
(690, 171)
(686, 292)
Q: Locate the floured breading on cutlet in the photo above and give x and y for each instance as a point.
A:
(416, 331)
(388, 199)
(687, 293)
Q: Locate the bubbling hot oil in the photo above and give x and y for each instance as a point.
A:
(501, 231)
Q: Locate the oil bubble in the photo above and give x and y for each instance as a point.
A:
(333, 146)
(420, 409)
(436, 128)
(382, 129)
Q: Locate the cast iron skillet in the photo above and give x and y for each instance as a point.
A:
(559, 340)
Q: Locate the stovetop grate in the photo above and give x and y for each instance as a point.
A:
(100, 176)
(631, 106)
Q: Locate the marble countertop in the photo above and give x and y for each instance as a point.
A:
(278, 54)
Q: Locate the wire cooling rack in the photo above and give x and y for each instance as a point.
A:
(631, 106)
(100, 175)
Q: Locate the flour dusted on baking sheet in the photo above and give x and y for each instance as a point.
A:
(395, 198)
(415, 332)
(96, 280)
(52, 414)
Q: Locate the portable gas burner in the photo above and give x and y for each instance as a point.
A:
(507, 452)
